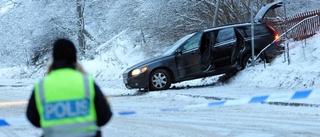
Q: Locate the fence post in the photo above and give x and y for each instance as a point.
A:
(304, 46)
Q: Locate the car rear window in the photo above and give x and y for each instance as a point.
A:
(258, 30)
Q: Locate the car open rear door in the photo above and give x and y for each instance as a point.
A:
(223, 48)
(240, 45)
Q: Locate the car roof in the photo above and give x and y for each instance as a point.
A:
(229, 25)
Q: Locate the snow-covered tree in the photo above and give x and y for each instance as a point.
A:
(28, 27)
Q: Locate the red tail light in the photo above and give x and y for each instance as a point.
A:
(276, 35)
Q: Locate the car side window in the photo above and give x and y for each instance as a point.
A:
(225, 35)
(192, 43)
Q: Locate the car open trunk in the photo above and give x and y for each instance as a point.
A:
(264, 10)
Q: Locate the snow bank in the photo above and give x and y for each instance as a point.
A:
(302, 72)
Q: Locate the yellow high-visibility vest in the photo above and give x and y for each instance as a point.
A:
(65, 102)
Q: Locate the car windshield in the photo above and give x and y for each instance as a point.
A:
(177, 44)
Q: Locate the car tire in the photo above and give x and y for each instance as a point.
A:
(247, 61)
(159, 80)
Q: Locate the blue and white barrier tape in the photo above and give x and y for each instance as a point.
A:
(17, 121)
(303, 94)
(3, 122)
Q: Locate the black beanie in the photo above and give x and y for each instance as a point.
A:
(64, 50)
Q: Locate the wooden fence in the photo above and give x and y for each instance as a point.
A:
(304, 30)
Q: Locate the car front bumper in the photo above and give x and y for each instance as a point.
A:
(139, 81)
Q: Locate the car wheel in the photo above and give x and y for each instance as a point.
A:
(160, 80)
(247, 61)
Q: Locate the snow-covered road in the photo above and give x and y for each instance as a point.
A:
(263, 120)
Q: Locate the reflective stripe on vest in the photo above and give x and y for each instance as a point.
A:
(67, 130)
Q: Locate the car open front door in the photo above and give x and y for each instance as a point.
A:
(188, 57)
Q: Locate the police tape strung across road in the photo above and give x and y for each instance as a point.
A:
(303, 94)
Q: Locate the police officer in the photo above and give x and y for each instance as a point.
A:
(67, 102)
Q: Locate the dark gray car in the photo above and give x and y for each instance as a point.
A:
(208, 52)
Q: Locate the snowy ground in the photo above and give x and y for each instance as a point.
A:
(226, 121)
(288, 118)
